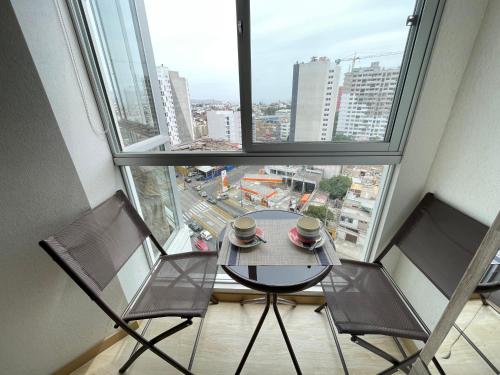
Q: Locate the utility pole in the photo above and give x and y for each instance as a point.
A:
(241, 196)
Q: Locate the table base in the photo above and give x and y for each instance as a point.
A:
(281, 300)
(268, 298)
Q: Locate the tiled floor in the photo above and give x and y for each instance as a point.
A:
(228, 327)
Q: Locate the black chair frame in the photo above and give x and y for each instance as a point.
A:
(405, 364)
(120, 321)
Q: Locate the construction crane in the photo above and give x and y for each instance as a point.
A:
(355, 57)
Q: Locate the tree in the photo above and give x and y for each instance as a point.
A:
(337, 186)
(319, 212)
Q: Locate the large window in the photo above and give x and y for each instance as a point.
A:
(315, 93)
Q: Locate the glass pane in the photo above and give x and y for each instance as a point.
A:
(325, 70)
(195, 49)
(115, 34)
(345, 198)
(154, 191)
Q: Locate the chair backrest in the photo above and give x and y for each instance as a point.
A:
(440, 241)
(96, 246)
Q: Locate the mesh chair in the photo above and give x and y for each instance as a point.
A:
(96, 246)
(362, 298)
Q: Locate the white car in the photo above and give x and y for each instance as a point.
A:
(191, 233)
(197, 187)
(203, 193)
(206, 235)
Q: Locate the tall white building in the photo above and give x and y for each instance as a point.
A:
(366, 102)
(168, 104)
(224, 125)
(314, 99)
(182, 105)
(177, 104)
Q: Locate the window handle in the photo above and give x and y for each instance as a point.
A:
(240, 27)
(412, 20)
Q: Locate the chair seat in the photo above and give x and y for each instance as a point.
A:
(179, 285)
(362, 300)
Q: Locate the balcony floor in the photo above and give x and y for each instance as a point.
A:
(228, 327)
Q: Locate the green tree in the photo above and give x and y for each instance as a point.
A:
(319, 212)
(337, 186)
(269, 111)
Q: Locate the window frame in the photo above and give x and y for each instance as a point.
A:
(413, 67)
(415, 61)
(389, 152)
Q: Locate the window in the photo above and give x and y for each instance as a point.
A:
(210, 88)
(310, 189)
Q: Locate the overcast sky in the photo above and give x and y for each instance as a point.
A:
(198, 39)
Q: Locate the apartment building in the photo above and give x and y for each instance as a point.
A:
(168, 104)
(176, 102)
(314, 100)
(224, 125)
(366, 101)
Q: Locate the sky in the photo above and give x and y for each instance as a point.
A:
(198, 39)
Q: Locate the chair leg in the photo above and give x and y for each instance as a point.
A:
(400, 347)
(478, 351)
(152, 342)
(319, 308)
(143, 333)
(374, 349)
(214, 300)
(403, 365)
(193, 353)
(337, 344)
(438, 366)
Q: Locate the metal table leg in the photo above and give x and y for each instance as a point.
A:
(274, 298)
(254, 336)
(284, 301)
(283, 331)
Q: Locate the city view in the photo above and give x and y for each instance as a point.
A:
(324, 91)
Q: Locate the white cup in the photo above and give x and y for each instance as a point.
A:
(244, 228)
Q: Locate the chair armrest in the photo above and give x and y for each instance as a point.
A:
(488, 287)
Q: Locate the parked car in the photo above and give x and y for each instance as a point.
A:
(211, 200)
(194, 226)
(222, 196)
(191, 233)
(187, 179)
(192, 174)
(199, 178)
(203, 193)
(201, 245)
(206, 235)
(198, 187)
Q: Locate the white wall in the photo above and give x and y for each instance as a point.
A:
(466, 170)
(449, 59)
(463, 168)
(45, 28)
(47, 320)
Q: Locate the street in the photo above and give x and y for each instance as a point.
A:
(212, 217)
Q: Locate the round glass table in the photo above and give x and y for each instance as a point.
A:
(274, 280)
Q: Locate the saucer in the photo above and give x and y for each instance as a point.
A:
(239, 243)
(293, 235)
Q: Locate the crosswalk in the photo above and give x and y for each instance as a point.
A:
(209, 216)
(198, 209)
